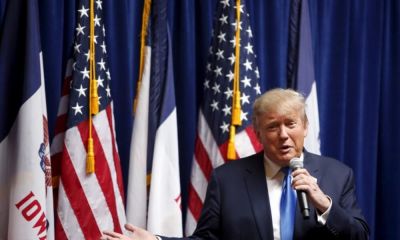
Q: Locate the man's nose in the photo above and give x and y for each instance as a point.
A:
(283, 132)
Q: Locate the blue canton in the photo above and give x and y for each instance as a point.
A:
(79, 87)
(218, 85)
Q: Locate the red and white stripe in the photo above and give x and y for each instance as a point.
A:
(208, 155)
(87, 203)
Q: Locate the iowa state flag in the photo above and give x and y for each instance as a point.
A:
(26, 210)
(154, 193)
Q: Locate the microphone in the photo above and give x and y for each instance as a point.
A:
(296, 163)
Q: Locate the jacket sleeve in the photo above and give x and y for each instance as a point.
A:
(345, 219)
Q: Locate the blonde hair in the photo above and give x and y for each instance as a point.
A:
(281, 101)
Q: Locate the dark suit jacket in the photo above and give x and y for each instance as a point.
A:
(237, 203)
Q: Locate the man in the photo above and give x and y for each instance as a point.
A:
(243, 198)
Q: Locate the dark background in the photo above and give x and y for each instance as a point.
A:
(356, 57)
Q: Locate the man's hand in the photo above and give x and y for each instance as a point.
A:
(136, 233)
(302, 180)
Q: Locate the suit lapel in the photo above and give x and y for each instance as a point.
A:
(257, 191)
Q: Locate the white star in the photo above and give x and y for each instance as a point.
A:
(81, 91)
(85, 73)
(108, 74)
(257, 88)
(246, 82)
(233, 41)
(232, 58)
(87, 55)
(83, 11)
(224, 127)
(100, 82)
(225, 3)
(243, 115)
(214, 106)
(108, 91)
(221, 37)
(240, 7)
(257, 72)
(234, 24)
(104, 31)
(249, 32)
(245, 98)
(206, 84)
(223, 19)
(230, 75)
(218, 72)
(227, 110)
(102, 64)
(215, 88)
(79, 29)
(249, 48)
(97, 21)
(103, 46)
(77, 108)
(220, 54)
(247, 64)
(94, 38)
(98, 100)
(99, 3)
(228, 93)
(76, 47)
(208, 67)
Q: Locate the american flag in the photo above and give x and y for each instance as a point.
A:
(215, 112)
(87, 202)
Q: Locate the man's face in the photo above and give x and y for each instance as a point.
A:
(282, 135)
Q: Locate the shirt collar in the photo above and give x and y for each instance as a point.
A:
(271, 168)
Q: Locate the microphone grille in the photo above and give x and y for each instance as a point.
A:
(296, 163)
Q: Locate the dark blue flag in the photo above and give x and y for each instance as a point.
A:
(301, 75)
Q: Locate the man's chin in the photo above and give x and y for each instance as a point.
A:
(283, 159)
(287, 157)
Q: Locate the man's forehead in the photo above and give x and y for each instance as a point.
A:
(287, 115)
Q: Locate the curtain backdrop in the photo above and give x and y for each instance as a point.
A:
(356, 59)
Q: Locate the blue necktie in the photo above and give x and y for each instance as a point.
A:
(288, 206)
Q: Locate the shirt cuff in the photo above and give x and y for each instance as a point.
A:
(322, 218)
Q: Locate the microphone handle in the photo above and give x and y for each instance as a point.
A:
(302, 198)
(303, 203)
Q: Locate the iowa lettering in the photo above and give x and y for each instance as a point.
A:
(30, 209)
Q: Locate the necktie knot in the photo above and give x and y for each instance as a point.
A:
(287, 171)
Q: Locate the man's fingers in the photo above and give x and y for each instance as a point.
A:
(130, 227)
(300, 171)
(110, 235)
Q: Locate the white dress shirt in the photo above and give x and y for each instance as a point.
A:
(274, 178)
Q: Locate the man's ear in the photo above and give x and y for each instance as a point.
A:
(305, 129)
